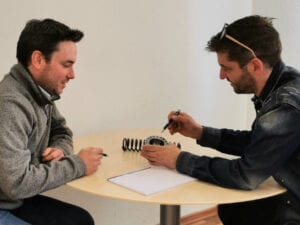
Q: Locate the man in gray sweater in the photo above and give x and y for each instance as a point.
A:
(36, 151)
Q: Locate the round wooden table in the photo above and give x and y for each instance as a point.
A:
(120, 162)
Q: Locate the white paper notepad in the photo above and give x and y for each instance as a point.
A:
(151, 180)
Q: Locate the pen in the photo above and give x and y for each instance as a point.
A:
(170, 120)
(104, 154)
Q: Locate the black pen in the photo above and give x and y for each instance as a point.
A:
(170, 121)
(104, 154)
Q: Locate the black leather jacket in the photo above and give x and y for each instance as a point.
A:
(271, 148)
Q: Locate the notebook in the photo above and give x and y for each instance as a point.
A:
(151, 180)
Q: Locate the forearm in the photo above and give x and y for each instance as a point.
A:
(218, 171)
(225, 140)
(60, 134)
(29, 180)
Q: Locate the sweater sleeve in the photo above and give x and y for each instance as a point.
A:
(60, 134)
(22, 173)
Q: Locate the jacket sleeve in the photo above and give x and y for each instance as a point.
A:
(275, 137)
(228, 141)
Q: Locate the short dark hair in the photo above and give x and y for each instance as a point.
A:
(256, 32)
(43, 35)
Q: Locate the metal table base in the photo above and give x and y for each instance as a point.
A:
(169, 215)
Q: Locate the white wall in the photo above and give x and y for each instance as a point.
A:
(287, 22)
(139, 59)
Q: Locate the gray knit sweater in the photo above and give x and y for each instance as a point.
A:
(29, 123)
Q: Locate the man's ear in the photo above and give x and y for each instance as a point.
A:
(37, 59)
(256, 66)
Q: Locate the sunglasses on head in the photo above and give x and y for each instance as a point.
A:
(224, 34)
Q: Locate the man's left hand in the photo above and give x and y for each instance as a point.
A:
(161, 155)
(52, 154)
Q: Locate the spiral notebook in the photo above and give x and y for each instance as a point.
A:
(151, 180)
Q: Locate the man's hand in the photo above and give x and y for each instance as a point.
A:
(91, 157)
(52, 154)
(185, 125)
(161, 155)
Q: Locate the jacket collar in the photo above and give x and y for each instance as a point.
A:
(270, 85)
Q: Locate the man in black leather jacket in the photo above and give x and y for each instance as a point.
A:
(248, 52)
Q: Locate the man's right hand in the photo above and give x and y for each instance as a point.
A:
(91, 157)
(185, 125)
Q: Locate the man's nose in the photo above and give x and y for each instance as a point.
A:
(71, 74)
(222, 75)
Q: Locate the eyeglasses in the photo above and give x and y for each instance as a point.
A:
(223, 34)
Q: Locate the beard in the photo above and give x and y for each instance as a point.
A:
(245, 85)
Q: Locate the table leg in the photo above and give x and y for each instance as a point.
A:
(169, 215)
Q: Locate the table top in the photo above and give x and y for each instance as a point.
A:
(120, 162)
